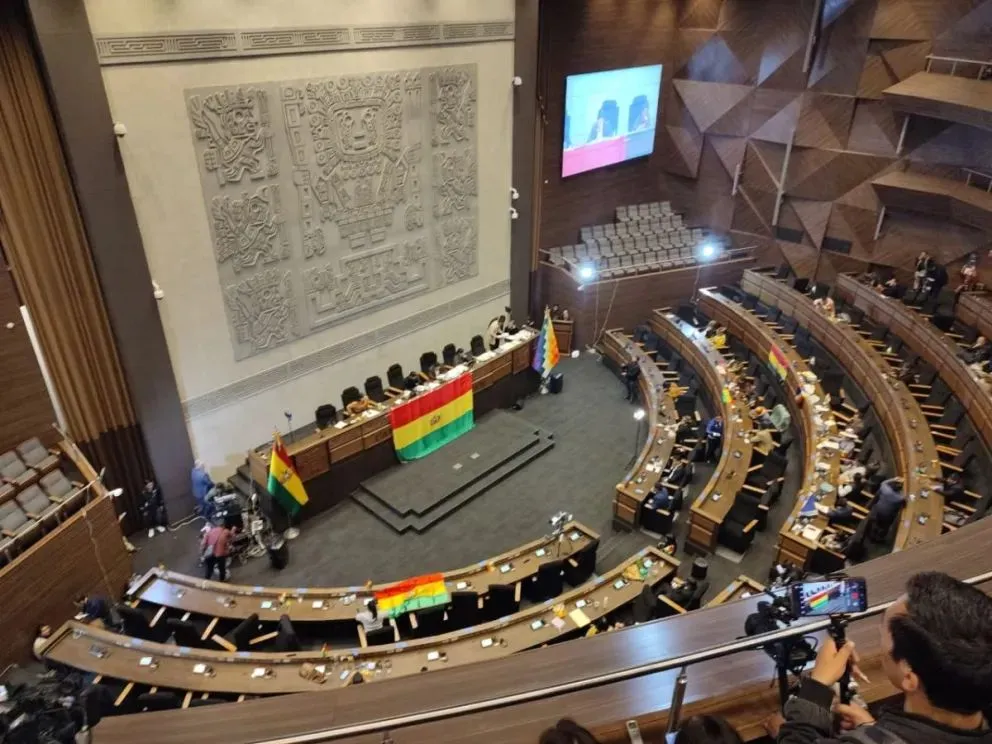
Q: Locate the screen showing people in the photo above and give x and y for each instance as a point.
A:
(810, 598)
(610, 117)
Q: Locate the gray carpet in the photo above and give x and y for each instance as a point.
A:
(595, 439)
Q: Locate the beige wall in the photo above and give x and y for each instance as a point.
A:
(162, 173)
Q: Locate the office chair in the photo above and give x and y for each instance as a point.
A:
(645, 606)
(464, 610)
(428, 364)
(350, 395)
(135, 623)
(152, 701)
(547, 583)
(503, 600)
(581, 564)
(242, 633)
(384, 635)
(374, 390)
(448, 355)
(739, 526)
(396, 379)
(477, 346)
(184, 632)
(286, 638)
(325, 415)
(429, 622)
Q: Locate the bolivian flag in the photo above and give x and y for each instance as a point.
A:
(429, 421)
(284, 482)
(417, 593)
(777, 361)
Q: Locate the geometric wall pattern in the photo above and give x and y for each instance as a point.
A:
(333, 197)
(738, 101)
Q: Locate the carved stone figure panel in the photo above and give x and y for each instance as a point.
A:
(318, 200)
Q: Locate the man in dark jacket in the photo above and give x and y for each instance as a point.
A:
(936, 650)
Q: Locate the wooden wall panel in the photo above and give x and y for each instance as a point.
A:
(25, 407)
(85, 555)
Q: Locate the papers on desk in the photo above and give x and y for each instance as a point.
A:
(828, 444)
(812, 533)
(580, 618)
(808, 376)
(821, 408)
(340, 425)
(485, 356)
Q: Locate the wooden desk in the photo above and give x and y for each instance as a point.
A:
(717, 497)
(74, 642)
(975, 309)
(814, 426)
(236, 602)
(737, 589)
(660, 441)
(904, 423)
(563, 334)
(336, 460)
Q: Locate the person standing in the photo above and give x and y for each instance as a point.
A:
(203, 484)
(631, 371)
(215, 547)
(714, 437)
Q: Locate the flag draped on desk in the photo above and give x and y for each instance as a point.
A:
(546, 349)
(429, 421)
(778, 362)
(284, 482)
(417, 593)
(727, 398)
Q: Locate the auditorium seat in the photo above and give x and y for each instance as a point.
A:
(35, 503)
(448, 355)
(374, 390)
(14, 471)
(502, 600)
(478, 346)
(740, 525)
(14, 522)
(135, 623)
(547, 583)
(463, 611)
(428, 364)
(325, 415)
(57, 486)
(350, 395)
(396, 379)
(384, 635)
(183, 631)
(152, 701)
(286, 638)
(645, 606)
(428, 622)
(581, 565)
(35, 456)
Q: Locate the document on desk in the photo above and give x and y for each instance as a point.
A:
(580, 618)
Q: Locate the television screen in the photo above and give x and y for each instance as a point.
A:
(609, 117)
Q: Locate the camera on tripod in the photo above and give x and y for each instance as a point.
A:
(559, 520)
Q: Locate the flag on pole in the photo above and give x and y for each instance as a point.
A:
(778, 362)
(417, 593)
(546, 350)
(728, 399)
(284, 482)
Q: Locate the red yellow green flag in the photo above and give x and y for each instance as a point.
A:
(284, 482)
(429, 421)
(409, 595)
(778, 362)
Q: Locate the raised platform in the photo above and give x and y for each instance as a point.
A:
(941, 197)
(958, 99)
(417, 495)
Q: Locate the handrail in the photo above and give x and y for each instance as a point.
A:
(680, 662)
(955, 61)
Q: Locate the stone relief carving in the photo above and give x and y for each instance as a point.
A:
(452, 106)
(454, 181)
(457, 250)
(262, 309)
(249, 230)
(235, 124)
(385, 174)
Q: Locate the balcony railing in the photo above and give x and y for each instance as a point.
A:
(976, 68)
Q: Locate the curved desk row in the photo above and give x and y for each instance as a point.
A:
(657, 450)
(184, 593)
(740, 588)
(716, 499)
(927, 341)
(735, 687)
(975, 309)
(164, 665)
(814, 419)
(904, 423)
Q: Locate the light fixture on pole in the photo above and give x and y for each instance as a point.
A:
(587, 273)
(639, 415)
(705, 253)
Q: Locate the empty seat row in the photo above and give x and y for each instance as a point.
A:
(633, 211)
(23, 513)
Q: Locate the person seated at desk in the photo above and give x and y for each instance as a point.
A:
(780, 417)
(359, 406)
(685, 429)
(842, 512)
(714, 437)
(681, 472)
(709, 331)
(681, 592)
(95, 607)
(763, 441)
(826, 306)
(978, 353)
(661, 496)
(412, 380)
(906, 375)
(852, 490)
(891, 288)
(749, 393)
(952, 487)
(370, 617)
(719, 339)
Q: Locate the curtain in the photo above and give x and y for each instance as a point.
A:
(45, 242)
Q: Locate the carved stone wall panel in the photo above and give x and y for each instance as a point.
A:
(330, 198)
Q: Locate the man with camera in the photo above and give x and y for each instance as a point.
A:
(936, 651)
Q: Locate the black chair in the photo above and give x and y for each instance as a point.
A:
(183, 631)
(700, 568)
(374, 389)
(286, 638)
(350, 395)
(697, 595)
(660, 521)
(396, 379)
(204, 702)
(645, 606)
(547, 583)
(325, 415)
(381, 637)
(740, 525)
(152, 701)
(581, 565)
(243, 632)
(464, 610)
(771, 470)
(854, 547)
(502, 600)
(428, 622)
(448, 355)
(478, 346)
(428, 364)
(135, 623)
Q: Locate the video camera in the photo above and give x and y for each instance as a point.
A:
(559, 520)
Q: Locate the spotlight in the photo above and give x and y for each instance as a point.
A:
(639, 414)
(707, 251)
(587, 273)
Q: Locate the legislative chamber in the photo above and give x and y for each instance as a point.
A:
(529, 370)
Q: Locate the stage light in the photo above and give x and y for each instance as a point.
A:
(639, 414)
(587, 272)
(707, 251)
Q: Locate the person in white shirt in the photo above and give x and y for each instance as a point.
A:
(44, 633)
(369, 617)
(494, 333)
